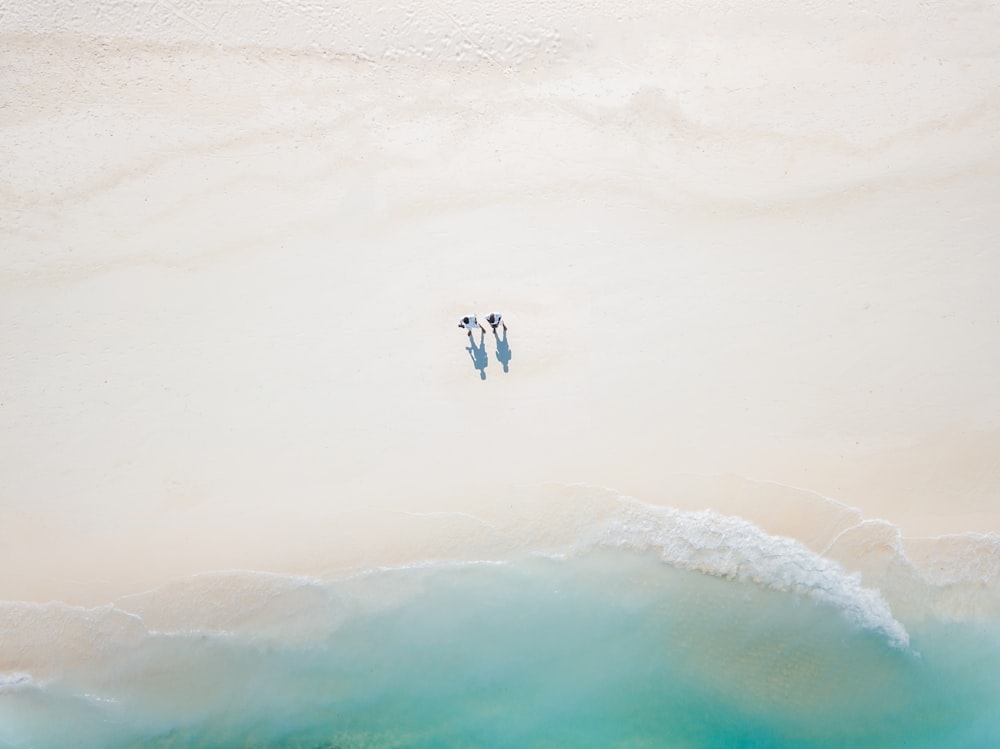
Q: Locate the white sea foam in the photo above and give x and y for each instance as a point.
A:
(733, 548)
(10, 682)
(949, 577)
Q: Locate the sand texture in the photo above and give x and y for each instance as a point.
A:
(748, 256)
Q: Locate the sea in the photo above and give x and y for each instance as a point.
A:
(653, 628)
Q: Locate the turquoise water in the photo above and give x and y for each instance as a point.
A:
(612, 648)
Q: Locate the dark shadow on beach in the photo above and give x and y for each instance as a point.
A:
(480, 360)
(503, 350)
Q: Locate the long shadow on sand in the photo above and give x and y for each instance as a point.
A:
(480, 360)
(503, 350)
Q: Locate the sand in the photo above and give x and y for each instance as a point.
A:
(747, 256)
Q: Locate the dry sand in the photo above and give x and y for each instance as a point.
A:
(748, 259)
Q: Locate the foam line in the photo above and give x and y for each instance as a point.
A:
(734, 548)
(16, 680)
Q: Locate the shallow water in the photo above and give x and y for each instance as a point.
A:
(608, 648)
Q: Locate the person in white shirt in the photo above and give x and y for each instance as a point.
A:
(494, 319)
(470, 323)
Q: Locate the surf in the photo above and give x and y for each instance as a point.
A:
(644, 625)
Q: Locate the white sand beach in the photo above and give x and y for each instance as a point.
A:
(748, 258)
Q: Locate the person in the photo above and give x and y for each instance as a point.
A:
(470, 323)
(495, 319)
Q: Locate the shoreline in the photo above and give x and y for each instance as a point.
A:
(507, 523)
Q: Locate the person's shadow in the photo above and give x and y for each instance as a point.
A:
(478, 354)
(503, 350)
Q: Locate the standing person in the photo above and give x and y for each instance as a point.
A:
(470, 323)
(494, 319)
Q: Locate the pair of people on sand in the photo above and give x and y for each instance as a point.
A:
(480, 359)
(470, 323)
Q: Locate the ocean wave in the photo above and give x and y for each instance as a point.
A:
(753, 620)
(864, 566)
(734, 548)
(708, 542)
(861, 568)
